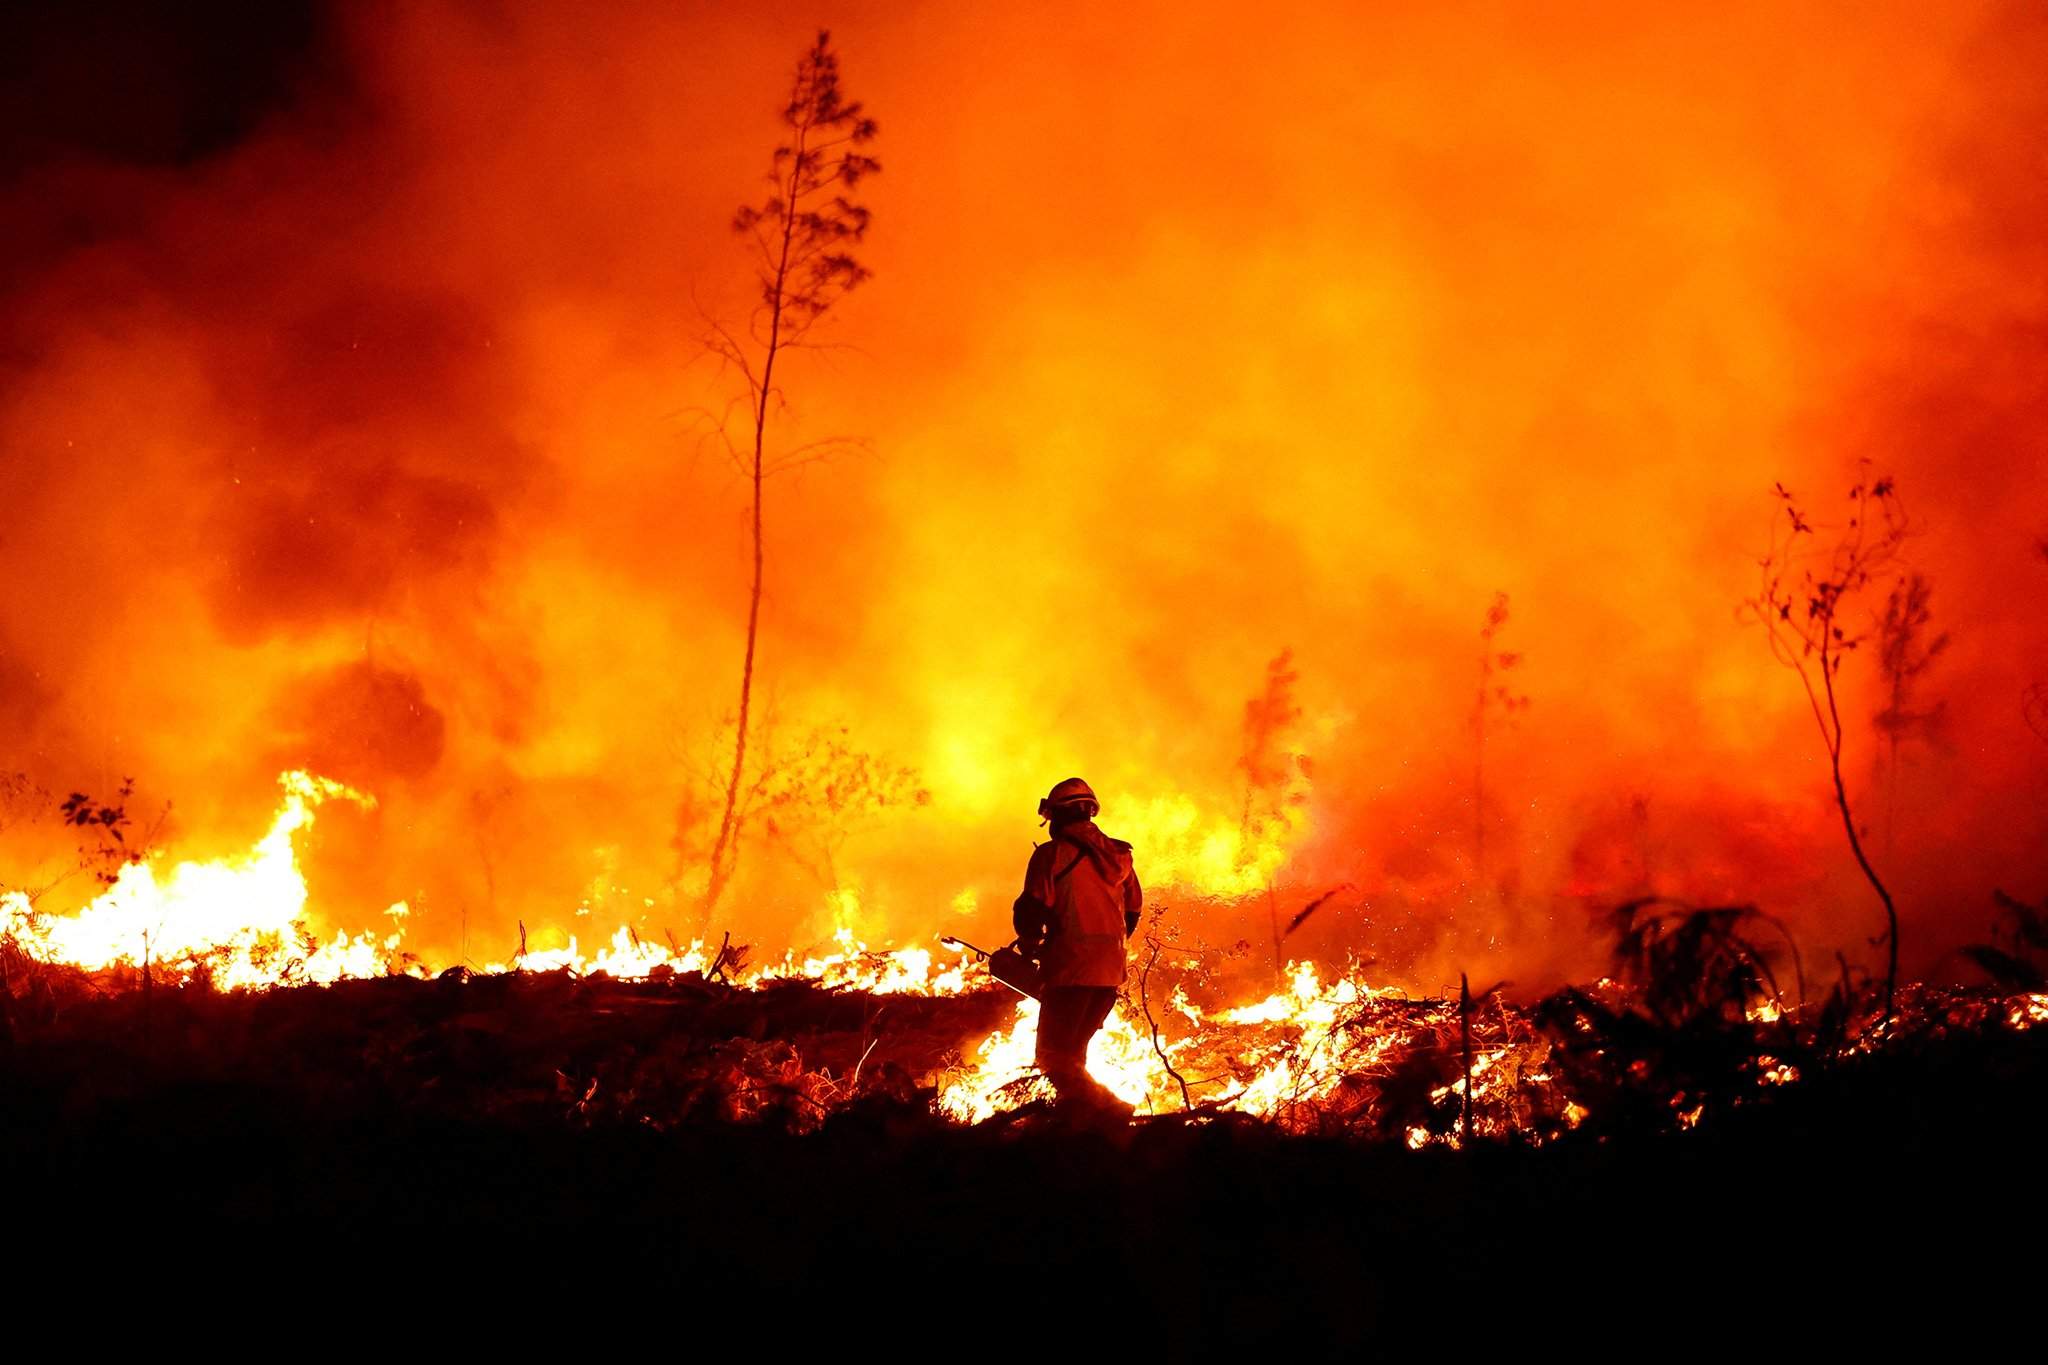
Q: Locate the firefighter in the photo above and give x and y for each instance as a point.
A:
(1081, 901)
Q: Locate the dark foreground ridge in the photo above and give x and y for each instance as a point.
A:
(442, 1135)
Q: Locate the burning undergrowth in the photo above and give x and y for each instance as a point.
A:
(785, 1135)
(1704, 1011)
(1692, 1027)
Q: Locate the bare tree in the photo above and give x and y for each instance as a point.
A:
(2034, 700)
(1492, 696)
(1805, 606)
(801, 238)
(1267, 764)
(813, 794)
(1904, 654)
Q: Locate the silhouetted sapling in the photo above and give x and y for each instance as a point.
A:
(802, 238)
(1804, 604)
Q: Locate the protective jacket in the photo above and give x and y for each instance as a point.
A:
(1082, 898)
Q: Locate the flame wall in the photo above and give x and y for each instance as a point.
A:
(360, 438)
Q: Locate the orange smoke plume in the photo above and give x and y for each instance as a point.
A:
(1215, 376)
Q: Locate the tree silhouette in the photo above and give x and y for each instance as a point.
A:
(1804, 605)
(1267, 765)
(2034, 700)
(801, 238)
(1904, 654)
(1494, 695)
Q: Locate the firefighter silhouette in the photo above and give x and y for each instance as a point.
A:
(1080, 902)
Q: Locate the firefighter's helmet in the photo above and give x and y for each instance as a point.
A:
(1072, 799)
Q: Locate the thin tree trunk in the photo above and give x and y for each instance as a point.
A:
(1479, 794)
(1273, 919)
(1187, 1101)
(1891, 771)
(1891, 913)
(1465, 1052)
(724, 849)
(1479, 762)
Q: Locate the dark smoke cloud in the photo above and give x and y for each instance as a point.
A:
(365, 725)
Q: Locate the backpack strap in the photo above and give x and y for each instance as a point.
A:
(1080, 856)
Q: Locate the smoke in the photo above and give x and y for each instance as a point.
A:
(356, 425)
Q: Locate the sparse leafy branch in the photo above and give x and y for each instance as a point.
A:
(1153, 946)
(108, 839)
(801, 238)
(827, 788)
(1804, 603)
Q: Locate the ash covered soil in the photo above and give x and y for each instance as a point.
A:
(564, 1137)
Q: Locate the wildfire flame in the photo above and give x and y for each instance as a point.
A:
(1198, 485)
(1289, 1052)
(241, 920)
(240, 923)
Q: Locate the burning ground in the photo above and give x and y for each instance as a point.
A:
(1320, 1051)
(855, 1121)
(1646, 1155)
